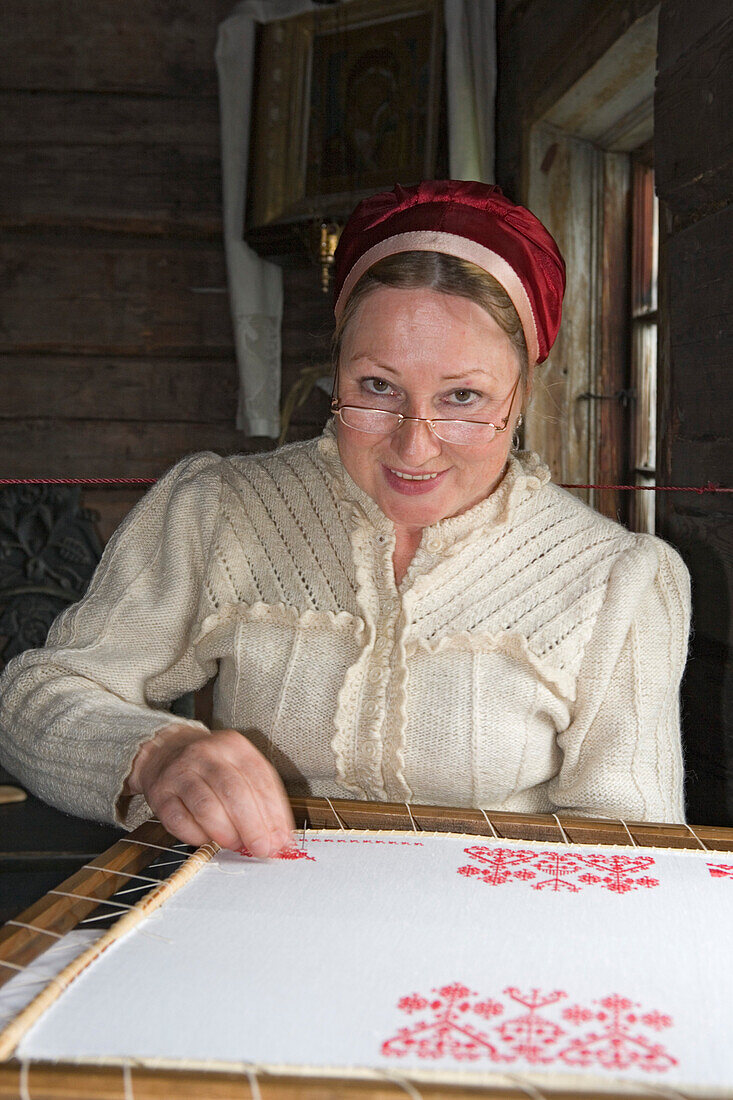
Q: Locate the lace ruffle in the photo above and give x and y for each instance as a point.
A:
(513, 645)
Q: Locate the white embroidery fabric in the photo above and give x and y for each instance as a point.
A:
(419, 953)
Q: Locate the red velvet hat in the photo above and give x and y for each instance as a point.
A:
(473, 221)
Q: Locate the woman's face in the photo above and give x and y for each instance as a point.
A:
(433, 355)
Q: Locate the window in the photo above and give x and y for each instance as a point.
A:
(643, 375)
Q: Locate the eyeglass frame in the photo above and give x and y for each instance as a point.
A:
(336, 408)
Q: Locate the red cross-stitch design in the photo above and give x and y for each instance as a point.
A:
(528, 1035)
(292, 852)
(618, 1044)
(611, 1034)
(559, 871)
(720, 870)
(449, 1032)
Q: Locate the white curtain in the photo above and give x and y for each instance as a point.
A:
(470, 50)
(255, 285)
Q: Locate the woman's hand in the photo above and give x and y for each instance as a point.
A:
(213, 786)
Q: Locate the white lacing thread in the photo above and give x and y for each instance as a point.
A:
(340, 822)
(668, 1091)
(689, 828)
(125, 874)
(35, 928)
(127, 1081)
(489, 823)
(12, 966)
(85, 897)
(415, 827)
(526, 1086)
(403, 1082)
(29, 983)
(23, 1090)
(159, 847)
(254, 1085)
(628, 833)
(563, 834)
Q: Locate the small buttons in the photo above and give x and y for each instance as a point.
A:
(371, 708)
(375, 676)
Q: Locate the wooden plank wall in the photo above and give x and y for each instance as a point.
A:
(116, 353)
(694, 167)
(543, 48)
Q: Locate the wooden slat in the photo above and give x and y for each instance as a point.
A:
(59, 914)
(684, 24)
(164, 47)
(125, 188)
(613, 420)
(113, 296)
(33, 118)
(108, 448)
(694, 97)
(319, 814)
(115, 388)
(70, 1082)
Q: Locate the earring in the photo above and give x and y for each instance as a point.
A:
(515, 438)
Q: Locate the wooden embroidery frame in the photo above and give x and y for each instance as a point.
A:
(55, 914)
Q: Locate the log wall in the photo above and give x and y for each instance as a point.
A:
(694, 166)
(116, 349)
(693, 153)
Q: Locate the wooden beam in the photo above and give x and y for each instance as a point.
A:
(166, 47)
(113, 388)
(108, 448)
(151, 189)
(694, 97)
(102, 295)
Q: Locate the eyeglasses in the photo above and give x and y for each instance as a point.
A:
(382, 422)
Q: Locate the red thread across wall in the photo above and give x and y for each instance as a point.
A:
(132, 481)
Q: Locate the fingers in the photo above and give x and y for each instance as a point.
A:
(220, 787)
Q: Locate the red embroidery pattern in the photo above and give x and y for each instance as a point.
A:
(362, 840)
(617, 1044)
(559, 871)
(720, 870)
(449, 1032)
(293, 852)
(615, 1040)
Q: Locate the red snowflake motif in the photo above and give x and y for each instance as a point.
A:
(291, 852)
(720, 870)
(619, 872)
(559, 871)
(448, 1033)
(557, 867)
(619, 1045)
(529, 1035)
(499, 864)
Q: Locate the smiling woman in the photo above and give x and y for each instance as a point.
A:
(428, 357)
(405, 608)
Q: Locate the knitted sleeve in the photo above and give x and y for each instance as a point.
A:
(622, 754)
(73, 714)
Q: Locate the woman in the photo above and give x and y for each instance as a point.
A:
(403, 609)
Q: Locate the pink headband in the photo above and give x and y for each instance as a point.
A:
(474, 222)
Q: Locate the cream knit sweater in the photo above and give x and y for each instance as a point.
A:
(530, 660)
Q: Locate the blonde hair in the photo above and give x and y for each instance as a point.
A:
(448, 275)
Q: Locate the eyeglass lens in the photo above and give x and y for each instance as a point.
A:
(380, 422)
